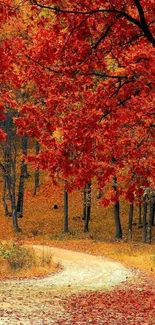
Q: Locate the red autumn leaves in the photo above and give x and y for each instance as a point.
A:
(90, 66)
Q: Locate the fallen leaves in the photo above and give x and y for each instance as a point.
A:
(129, 303)
(122, 306)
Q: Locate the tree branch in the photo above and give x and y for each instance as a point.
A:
(94, 11)
(104, 35)
(44, 67)
(103, 75)
(144, 25)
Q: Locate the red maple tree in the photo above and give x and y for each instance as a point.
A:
(92, 64)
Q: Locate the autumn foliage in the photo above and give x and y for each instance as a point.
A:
(92, 68)
(81, 76)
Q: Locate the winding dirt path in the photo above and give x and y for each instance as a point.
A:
(38, 301)
(82, 271)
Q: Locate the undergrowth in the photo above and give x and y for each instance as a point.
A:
(19, 261)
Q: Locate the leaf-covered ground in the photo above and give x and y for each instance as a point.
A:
(122, 306)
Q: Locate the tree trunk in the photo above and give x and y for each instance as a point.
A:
(140, 214)
(117, 214)
(144, 235)
(153, 220)
(20, 201)
(9, 166)
(4, 198)
(84, 203)
(66, 229)
(24, 141)
(131, 211)
(23, 174)
(14, 213)
(13, 186)
(151, 215)
(88, 208)
(36, 174)
(12, 195)
(117, 221)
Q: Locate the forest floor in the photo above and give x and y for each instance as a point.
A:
(88, 290)
(120, 294)
(42, 224)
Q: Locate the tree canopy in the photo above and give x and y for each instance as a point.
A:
(88, 68)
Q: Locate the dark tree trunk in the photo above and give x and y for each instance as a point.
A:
(117, 214)
(131, 211)
(13, 187)
(140, 214)
(23, 174)
(66, 229)
(117, 221)
(24, 141)
(36, 174)
(151, 215)
(88, 208)
(14, 213)
(6, 209)
(8, 144)
(10, 156)
(20, 201)
(144, 235)
(84, 203)
(153, 220)
(12, 196)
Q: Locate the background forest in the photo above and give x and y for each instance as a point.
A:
(77, 150)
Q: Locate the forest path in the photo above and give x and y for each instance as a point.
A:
(82, 271)
(38, 301)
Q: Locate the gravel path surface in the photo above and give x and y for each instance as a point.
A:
(38, 301)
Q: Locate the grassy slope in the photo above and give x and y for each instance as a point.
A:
(43, 224)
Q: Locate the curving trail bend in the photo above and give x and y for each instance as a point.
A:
(39, 301)
(82, 271)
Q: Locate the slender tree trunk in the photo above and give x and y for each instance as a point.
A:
(153, 220)
(131, 211)
(140, 214)
(8, 146)
(117, 221)
(151, 214)
(88, 208)
(66, 229)
(20, 201)
(10, 165)
(36, 174)
(14, 214)
(24, 141)
(84, 203)
(6, 209)
(23, 174)
(144, 235)
(117, 214)
(12, 195)
(13, 187)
